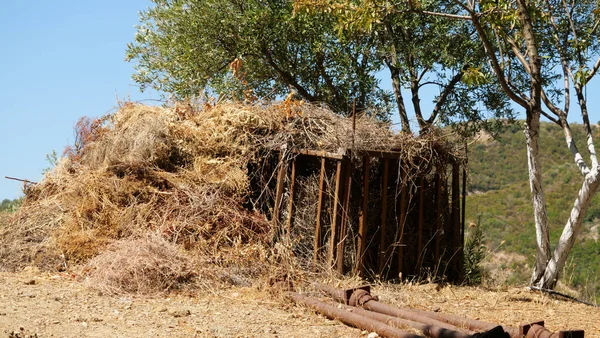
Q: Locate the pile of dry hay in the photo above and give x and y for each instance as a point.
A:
(182, 175)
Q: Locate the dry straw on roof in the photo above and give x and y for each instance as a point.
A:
(182, 174)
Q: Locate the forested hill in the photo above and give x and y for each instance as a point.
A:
(499, 192)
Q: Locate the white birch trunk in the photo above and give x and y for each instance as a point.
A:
(542, 233)
(571, 230)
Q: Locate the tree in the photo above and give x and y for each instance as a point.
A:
(530, 45)
(248, 49)
(420, 50)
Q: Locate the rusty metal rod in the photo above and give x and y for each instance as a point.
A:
(471, 324)
(350, 318)
(362, 298)
(538, 331)
(427, 329)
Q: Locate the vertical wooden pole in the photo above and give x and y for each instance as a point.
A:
(347, 181)
(403, 210)
(420, 224)
(281, 171)
(319, 227)
(335, 221)
(383, 234)
(438, 210)
(457, 257)
(362, 226)
(290, 216)
(464, 207)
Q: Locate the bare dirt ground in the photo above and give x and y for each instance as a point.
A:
(56, 305)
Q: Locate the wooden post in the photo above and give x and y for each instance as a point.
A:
(457, 256)
(319, 227)
(290, 216)
(281, 171)
(464, 207)
(362, 227)
(336, 206)
(347, 181)
(403, 211)
(438, 210)
(383, 233)
(420, 224)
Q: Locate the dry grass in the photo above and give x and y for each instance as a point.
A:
(182, 174)
(143, 266)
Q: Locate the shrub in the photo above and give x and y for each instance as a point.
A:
(474, 253)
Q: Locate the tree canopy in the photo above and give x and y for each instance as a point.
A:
(258, 49)
(245, 49)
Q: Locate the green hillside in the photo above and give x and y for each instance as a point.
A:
(499, 192)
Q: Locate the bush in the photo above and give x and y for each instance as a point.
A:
(474, 253)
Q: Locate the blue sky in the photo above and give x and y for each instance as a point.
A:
(61, 60)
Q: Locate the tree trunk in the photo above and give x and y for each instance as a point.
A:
(570, 232)
(399, 99)
(542, 233)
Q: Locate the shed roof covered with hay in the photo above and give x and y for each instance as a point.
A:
(185, 174)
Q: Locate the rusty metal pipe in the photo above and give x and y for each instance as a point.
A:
(361, 297)
(471, 324)
(427, 329)
(538, 331)
(350, 318)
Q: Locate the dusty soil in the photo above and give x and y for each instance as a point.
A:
(57, 305)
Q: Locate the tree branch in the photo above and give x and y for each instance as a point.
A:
(447, 15)
(518, 54)
(496, 66)
(552, 119)
(593, 71)
(287, 77)
(444, 96)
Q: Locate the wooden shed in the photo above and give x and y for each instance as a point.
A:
(380, 214)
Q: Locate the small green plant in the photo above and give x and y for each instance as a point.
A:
(52, 159)
(474, 253)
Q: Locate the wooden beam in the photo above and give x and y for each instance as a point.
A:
(464, 207)
(392, 155)
(362, 226)
(290, 216)
(336, 206)
(438, 210)
(347, 181)
(281, 172)
(319, 227)
(457, 249)
(402, 223)
(381, 257)
(420, 224)
(321, 153)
